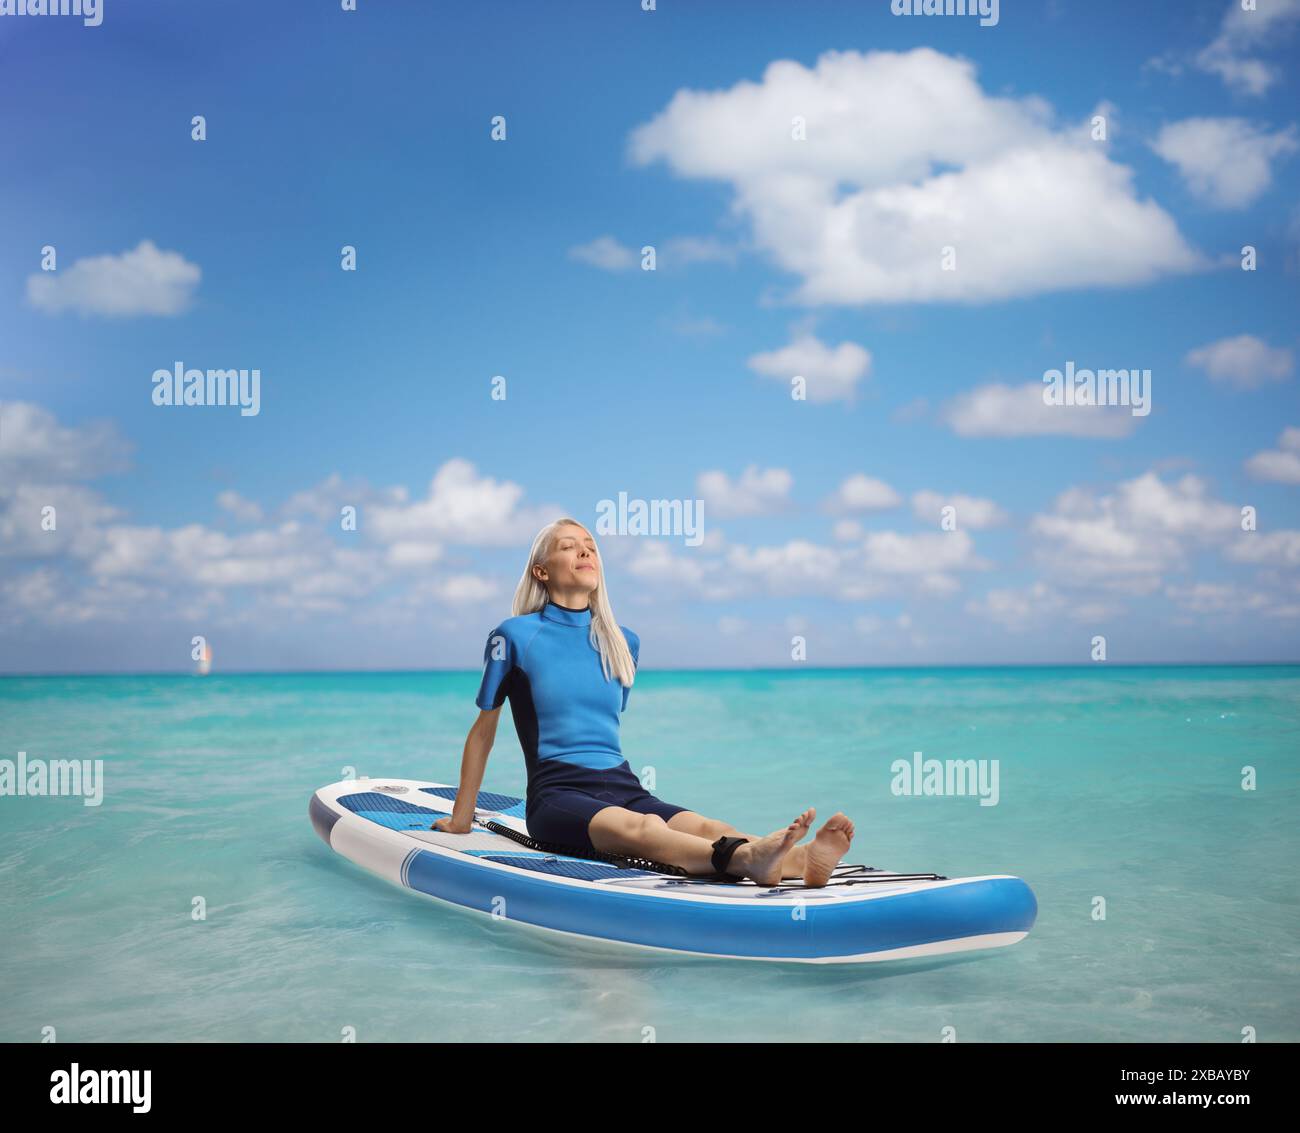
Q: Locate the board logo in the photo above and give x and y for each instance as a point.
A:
(390, 790)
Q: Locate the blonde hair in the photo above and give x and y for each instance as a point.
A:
(531, 595)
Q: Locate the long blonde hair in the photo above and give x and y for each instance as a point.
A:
(606, 636)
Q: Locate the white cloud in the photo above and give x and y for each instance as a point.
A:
(40, 462)
(971, 511)
(1215, 598)
(1271, 548)
(1243, 362)
(757, 492)
(1225, 162)
(80, 515)
(1005, 411)
(325, 501)
(796, 567)
(1128, 539)
(1017, 610)
(863, 493)
(606, 253)
(101, 569)
(926, 553)
(1281, 464)
(143, 281)
(461, 507)
(244, 510)
(906, 154)
(832, 374)
(36, 449)
(454, 589)
(412, 553)
(881, 563)
(655, 563)
(1242, 34)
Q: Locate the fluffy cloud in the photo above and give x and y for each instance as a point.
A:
(972, 512)
(461, 507)
(832, 374)
(94, 567)
(1216, 598)
(1018, 610)
(1225, 162)
(1019, 411)
(758, 491)
(143, 281)
(1281, 464)
(41, 461)
(1243, 34)
(906, 154)
(605, 253)
(324, 501)
(244, 510)
(797, 567)
(1128, 539)
(36, 449)
(80, 515)
(1271, 548)
(863, 493)
(1243, 362)
(880, 563)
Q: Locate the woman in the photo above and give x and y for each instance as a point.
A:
(555, 660)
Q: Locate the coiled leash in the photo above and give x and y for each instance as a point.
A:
(624, 860)
(723, 849)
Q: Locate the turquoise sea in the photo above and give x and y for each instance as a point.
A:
(1122, 785)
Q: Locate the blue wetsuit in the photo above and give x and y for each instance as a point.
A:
(566, 714)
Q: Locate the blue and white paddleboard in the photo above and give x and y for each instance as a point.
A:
(862, 914)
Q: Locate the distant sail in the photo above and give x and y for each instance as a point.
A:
(205, 661)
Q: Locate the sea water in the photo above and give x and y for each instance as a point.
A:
(1152, 810)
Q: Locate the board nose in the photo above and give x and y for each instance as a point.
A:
(322, 818)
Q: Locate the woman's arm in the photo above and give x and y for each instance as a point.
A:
(472, 763)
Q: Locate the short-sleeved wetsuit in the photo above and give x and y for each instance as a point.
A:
(566, 713)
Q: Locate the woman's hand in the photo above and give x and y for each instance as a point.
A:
(450, 826)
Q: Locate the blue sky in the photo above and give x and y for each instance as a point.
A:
(798, 170)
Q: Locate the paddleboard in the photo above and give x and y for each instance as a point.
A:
(863, 914)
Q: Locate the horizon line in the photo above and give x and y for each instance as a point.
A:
(686, 669)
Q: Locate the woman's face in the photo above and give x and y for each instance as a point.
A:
(572, 563)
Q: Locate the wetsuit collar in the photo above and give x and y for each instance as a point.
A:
(565, 616)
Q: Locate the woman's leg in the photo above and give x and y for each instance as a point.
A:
(680, 818)
(617, 830)
(815, 862)
(689, 822)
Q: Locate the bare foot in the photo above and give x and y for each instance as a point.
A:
(761, 860)
(826, 850)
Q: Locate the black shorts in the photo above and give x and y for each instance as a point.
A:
(560, 809)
